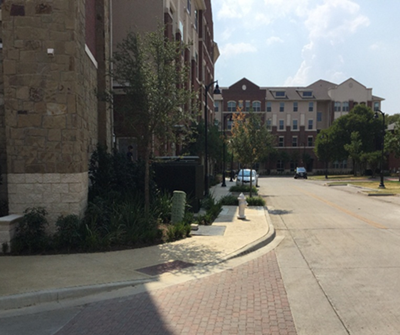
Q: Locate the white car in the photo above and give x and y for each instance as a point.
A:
(243, 177)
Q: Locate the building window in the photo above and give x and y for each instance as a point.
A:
(319, 116)
(295, 125)
(345, 106)
(280, 94)
(216, 109)
(279, 166)
(231, 106)
(189, 6)
(256, 106)
(247, 106)
(281, 106)
(295, 106)
(376, 106)
(281, 141)
(269, 106)
(196, 19)
(268, 124)
(310, 106)
(338, 106)
(294, 141)
(307, 94)
(310, 124)
(310, 141)
(281, 125)
(340, 165)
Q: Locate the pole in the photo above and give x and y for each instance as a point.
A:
(223, 154)
(382, 185)
(207, 87)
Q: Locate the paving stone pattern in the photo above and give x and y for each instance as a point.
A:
(249, 299)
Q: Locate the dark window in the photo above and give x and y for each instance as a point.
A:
(269, 106)
(295, 107)
(280, 94)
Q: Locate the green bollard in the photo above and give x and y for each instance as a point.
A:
(178, 206)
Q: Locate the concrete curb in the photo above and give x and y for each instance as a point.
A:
(46, 296)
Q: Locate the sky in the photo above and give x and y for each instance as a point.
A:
(297, 42)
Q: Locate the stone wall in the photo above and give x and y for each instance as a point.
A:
(51, 108)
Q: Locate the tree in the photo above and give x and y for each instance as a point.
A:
(354, 150)
(323, 148)
(250, 141)
(392, 141)
(360, 119)
(156, 98)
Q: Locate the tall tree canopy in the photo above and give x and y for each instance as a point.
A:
(150, 70)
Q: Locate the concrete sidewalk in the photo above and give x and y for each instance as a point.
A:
(30, 280)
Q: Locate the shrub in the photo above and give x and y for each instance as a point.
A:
(255, 201)
(178, 231)
(229, 200)
(31, 234)
(243, 188)
(69, 234)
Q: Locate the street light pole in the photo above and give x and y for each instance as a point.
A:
(382, 185)
(216, 91)
(223, 153)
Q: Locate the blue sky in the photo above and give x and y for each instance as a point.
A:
(297, 42)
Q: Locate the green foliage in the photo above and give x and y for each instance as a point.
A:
(229, 200)
(243, 188)
(70, 233)
(31, 234)
(255, 201)
(113, 172)
(178, 231)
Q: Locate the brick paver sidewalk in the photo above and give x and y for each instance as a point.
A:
(248, 299)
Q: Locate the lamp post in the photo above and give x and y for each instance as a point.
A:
(382, 185)
(223, 153)
(326, 152)
(216, 91)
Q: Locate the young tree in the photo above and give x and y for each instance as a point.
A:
(323, 148)
(154, 79)
(354, 150)
(250, 141)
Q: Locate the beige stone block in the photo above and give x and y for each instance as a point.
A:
(18, 166)
(29, 120)
(44, 189)
(61, 207)
(34, 178)
(17, 133)
(35, 142)
(16, 178)
(37, 132)
(69, 178)
(54, 122)
(51, 178)
(56, 109)
(76, 188)
(35, 199)
(52, 198)
(24, 188)
(69, 135)
(9, 66)
(39, 107)
(59, 188)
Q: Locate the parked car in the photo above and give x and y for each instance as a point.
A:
(243, 177)
(300, 173)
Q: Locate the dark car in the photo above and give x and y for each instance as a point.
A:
(300, 173)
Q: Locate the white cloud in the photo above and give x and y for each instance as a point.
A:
(274, 39)
(302, 76)
(234, 9)
(232, 49)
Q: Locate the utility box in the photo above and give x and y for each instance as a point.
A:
(181, 173)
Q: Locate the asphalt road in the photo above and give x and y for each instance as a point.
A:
(333, 270)
(339, 259)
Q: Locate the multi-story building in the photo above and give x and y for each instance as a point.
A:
(295, 115)
(189, 21)
(54, 58)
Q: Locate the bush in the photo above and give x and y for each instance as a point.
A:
(229, 200)
(31, 234)
(243, 188)
(255, 201)
(178, 231)
(70, 233)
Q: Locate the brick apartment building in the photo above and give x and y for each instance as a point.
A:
(295, 115)
(189, 21)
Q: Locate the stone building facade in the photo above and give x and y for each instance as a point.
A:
(55, 57)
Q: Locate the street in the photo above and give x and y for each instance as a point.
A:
(333, 269)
